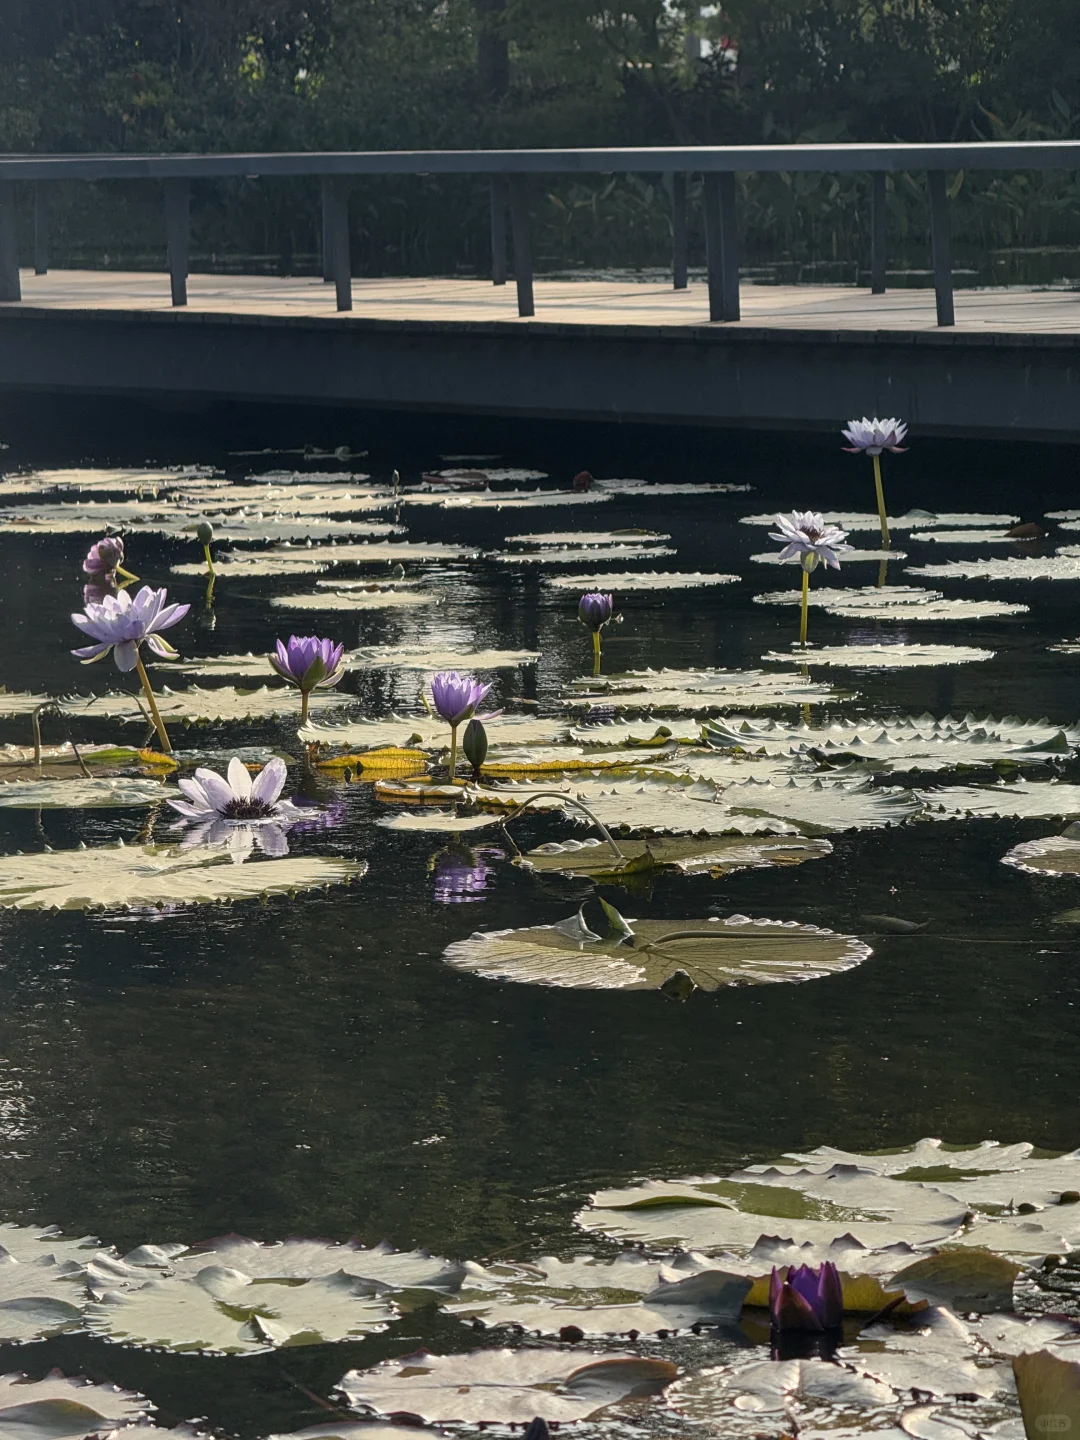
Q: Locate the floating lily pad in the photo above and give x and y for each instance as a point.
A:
(504, 1386)
(1065, 565)
(79, 794)
(403, 552)
(824, 804)
(20, 702)
(1048, 1389)
(665, 690)
(299, 1259)
(228, 1312)
(719, 856)
(881, 657)
(397, 730)
(375, 597)
(62, 1407)
(428, 657)
(894, 602)
(641, 580)
(119, 481)
(1020, 799)
(437, 822)
(156, 876)
(662, 488)
(1049, 855)
(589, 537)
(231, 563)
(574, 555)
(971, 536)
(908, 742)
(852, 556)
(247, 665)
(914, 520)
(197, 706)
(711, 953)
(504, 499)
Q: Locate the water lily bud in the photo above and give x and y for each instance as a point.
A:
(204, 532)
(475, 744)
(595, 609)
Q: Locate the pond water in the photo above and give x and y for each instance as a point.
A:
(312, 1066)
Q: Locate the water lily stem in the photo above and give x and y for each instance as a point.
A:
(805, 606)
(36, 720)
(886, 543)
(209, 559)
(159, 724)
(453, 751)
(305, 697)
(596, 652)
(569, 800)
(208, 599)
(125, 573)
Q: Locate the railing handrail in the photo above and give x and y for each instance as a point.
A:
(676, 159)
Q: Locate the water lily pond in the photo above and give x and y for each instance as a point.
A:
(545, 1094)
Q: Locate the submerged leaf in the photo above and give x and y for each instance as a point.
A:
(714, 953)
(154, 876)
(504, 1386)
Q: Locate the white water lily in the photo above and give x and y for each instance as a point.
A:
(238, 813)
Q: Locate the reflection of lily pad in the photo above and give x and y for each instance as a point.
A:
(504, 1386)
(713, 953)
(149, 875)
(690, 856)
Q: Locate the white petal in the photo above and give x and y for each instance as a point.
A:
(219, 792)
(270, 781)
(239, 779)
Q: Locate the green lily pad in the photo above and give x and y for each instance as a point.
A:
(62, 1407)
(196, 706)
(881, 657)
(1049, 855)
(713, 953)
(689, 856)
(154, 876)
(113, 792)
(641, 580)
(1048, 1389)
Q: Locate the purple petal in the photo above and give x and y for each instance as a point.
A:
(126, 655)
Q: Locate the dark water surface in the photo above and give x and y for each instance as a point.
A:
(285, 1068)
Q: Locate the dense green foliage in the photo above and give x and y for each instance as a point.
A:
(130, 75)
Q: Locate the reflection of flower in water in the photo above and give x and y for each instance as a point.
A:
(234, 812)
(463, 877)
(238, 839)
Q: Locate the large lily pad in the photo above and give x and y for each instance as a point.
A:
(368, 597)
(853, 556)
(399, 730)
(247, 665)
(914, 520)
(430, 657)
(581, 538)
(62, 1407)
(196, 706)
(111, 792)
(156, 876)
(1065, 565)
(908, 742)
(229, 1312)
(20, 702)
(641, 580)
(1020, 799)
(881, 657)
(661, 691)
(894, 602)
(690, 856)
(405, 552)
(255, 566)
(574, 555)
(299, 1259)
(115, 481)
(504, 499)
(711, 953)
(504, 1386)
(1049, 855)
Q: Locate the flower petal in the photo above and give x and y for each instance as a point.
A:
(239, 779)
(219, 792)
(126, 655)
(270, 781)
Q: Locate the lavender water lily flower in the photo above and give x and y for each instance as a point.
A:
(808, 1299)
(454, 698)
(121, 624)
(594, 610)
(807, 538)
(310, 664)
(106, 558)
(871, 437)
(235, 812)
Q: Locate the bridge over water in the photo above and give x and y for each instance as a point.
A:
(980, 362)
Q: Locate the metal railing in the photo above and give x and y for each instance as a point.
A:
(509, 172)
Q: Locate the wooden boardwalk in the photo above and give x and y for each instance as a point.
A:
(561, 302)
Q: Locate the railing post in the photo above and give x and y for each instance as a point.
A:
(498, 229)
(41, 228)
(680, 247)
(941, 246)
(10, 288)
(722, 245)
(519, 223)
(878, 233)
(326, 238)
(178, 236)
(340, 247)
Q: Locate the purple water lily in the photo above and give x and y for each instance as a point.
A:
(121, 624)
(808, 1299)
(310, 664)
(235, 812)
(455, 698)
(806, 537)
(871, 437)
(595, 609)
(106, 557)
